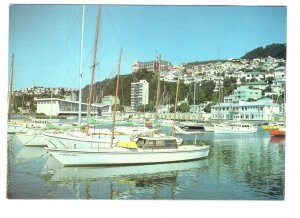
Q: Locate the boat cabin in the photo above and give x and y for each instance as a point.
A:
(156, 143)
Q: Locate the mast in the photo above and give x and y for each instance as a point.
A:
(194, 92)
(158, 87)
(175, 105)
(94, 63)
(10, 86)
(115, 105)
(80, 67)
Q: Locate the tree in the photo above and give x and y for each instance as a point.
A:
(253, 80)
(207, 108)
(270, 80)
(229, 85)
(205, 91)
(267, 89)
(243, 80)
(184, 107)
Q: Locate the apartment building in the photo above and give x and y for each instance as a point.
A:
(139, 94)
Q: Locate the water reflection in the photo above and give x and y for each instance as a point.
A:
(123, 181)
(238, 167)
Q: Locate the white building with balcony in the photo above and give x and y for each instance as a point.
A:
(139, 94)
(261, 110)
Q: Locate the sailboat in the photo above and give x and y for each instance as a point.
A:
(87, 138)
(176, 129)
(13, 126)
(144, 150)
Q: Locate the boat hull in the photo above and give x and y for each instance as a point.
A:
(208, 128)
(277, 133)
(69, 142)
(12, 129)
(128, 156)
(234, 130)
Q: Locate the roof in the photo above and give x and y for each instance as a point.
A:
(76, 102)
(257, 83)
(151, 62)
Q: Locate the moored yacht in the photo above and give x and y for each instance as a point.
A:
(145, 150)
(235, 128)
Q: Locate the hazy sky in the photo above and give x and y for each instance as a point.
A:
(46, 38)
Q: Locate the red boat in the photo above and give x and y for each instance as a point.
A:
(277, 132)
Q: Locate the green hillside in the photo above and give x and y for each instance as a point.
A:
(274, 50)
(167, 90)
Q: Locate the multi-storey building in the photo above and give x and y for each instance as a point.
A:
(139, 94)
(243, 93)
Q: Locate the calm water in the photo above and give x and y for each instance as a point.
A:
(239, 167)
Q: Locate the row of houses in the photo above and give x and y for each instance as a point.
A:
(38, 90)
(244, 71)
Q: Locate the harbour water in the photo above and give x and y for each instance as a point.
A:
(239, 167)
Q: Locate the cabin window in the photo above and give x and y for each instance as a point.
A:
(156, 144)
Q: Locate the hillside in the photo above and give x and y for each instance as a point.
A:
(167, 93)
(274, 50)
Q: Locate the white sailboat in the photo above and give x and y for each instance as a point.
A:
(145, 151)
(13, 126)
(142, 151)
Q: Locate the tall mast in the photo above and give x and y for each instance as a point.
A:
(115, 105)
(80, 67)
(94, 62)
(194, 92)
(158, 87)
(10, 86)
(175, 105)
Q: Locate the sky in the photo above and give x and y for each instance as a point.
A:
(45, 39)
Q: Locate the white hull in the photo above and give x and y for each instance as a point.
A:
(12, 129)
(32, 139)
(63, 141)
(180, 131)
(118, 156)
(208, 128)
(234, 130)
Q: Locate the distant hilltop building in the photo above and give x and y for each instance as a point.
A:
(138, 65)
(139, 94)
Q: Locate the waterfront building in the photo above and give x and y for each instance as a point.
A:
(198, 108)
(56, 106)
(139, 94)
(138, 65)
(109, 99)
(243, 93)
(261, 110)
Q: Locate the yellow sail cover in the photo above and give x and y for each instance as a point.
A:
(127, 144)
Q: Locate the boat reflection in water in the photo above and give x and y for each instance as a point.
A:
(119, 182)
(274, 139)
(26, 154)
